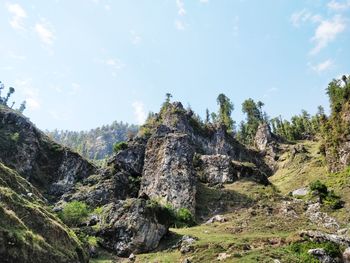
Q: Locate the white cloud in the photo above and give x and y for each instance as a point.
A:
(180, 25)
(180, 7)
(30, 94)
(323, 66)
(45, 32)
(135, 38)
(338, 6)
(304, 16)
(18, 15)
(116, 64)
(139, 112)
(327, 32)
(204, 1)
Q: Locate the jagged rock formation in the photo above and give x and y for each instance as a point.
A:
(132, 226)
(47, 165)
(168, 173)
(28, 231)
(165, 165)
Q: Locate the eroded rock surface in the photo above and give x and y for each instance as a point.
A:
(168, 172)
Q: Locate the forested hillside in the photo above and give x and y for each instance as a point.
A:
(97, 143)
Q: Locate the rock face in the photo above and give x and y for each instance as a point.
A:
(28, 231)
(132, 226)
(168, 172)
(49, 166)
(216, 169)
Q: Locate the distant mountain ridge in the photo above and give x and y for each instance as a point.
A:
(97, 143)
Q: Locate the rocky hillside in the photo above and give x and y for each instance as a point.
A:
(180, 191)
(50, 167)
(95, 144)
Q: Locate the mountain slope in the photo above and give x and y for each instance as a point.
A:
(49, 166)
(28, 231)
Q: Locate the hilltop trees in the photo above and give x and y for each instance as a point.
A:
(5, 100)
(225, 110)
(254, 116)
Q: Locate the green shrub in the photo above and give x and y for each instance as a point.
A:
(74, 213)
(166, 214)
(328, 198)
(184, 218)
(119, 146)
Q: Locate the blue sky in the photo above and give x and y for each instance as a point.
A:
(84, 63)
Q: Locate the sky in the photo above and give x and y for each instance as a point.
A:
(84, 63)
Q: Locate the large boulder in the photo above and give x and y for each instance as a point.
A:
(168, 173)
(133, 226)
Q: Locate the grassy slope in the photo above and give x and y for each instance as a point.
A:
(28, 231)
(305, 168)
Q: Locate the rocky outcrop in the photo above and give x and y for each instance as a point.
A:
(168, 173)
(267, 144)
(263, 137)
(50, 167)
(132, 226)
(29, 233)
